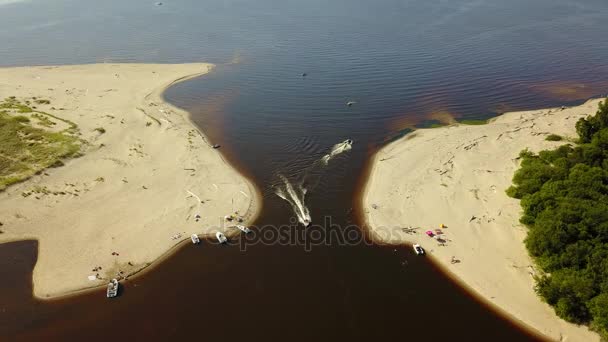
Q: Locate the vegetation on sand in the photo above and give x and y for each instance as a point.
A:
(554, 137)
(473, 122)
(564, 195)
(26, 149)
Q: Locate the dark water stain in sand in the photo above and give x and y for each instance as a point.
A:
(403, 62)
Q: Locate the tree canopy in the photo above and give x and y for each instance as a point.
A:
(564, 196)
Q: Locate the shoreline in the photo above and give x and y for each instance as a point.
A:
(171, 137)
(450, 185)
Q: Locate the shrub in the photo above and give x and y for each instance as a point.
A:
(553, 137)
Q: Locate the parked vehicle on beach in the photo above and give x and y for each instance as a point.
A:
(112, 290)
(195, 239)
(418, 249)
(221, 238)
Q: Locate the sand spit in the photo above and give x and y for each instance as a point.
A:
(134, 194)
(457, 176)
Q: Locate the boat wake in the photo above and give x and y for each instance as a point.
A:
(295, 192)
(344, 146)
(295, 197)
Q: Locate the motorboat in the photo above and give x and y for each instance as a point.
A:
(112, 288)
(195, 239)
(244, 229)
(418, 249)
(221, 238)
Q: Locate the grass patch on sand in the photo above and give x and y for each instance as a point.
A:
(44, 120)
(26, 150)
(473, 122)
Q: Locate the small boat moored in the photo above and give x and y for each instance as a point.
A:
(244, 229)
(195, 239)
(221, 238)
(112, 288)
(418, 249)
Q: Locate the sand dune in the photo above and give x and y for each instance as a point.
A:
(134, 194)
(457, 176)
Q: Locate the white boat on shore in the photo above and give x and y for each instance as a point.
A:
(418, 249)
(244, 229)
(221, 238)
(195, 239)
(112, 290)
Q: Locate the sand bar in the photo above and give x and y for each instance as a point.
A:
(457, 176)
(133, 196)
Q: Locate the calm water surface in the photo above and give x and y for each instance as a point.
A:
(405, 63)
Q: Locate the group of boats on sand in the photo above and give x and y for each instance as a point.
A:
(221, 238)
(113, 285)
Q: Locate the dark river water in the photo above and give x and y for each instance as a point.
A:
(404, 63)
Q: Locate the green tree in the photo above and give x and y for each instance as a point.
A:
(564, 197)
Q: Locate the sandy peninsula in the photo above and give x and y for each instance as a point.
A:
(457, 176)
(146, 171)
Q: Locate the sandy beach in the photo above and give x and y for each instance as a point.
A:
(146, 171)
(457, 176)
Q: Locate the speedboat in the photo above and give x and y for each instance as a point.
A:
(195, 239)
(418, 249)
(112, 289)
(244, 229)
(221, 238)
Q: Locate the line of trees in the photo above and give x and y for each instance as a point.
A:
(564, 196)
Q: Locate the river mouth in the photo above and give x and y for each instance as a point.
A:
(399, 65)
(327, 281)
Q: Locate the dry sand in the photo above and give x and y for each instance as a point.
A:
(457, 176)
(134, 192)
